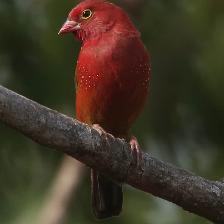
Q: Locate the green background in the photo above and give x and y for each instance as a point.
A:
(183, 121)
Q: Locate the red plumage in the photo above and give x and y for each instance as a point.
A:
(112, 77)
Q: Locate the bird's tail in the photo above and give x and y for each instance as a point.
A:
(107, 196)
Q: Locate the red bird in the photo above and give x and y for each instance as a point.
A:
(112, 79)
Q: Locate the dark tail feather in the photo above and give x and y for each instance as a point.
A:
(107, 197)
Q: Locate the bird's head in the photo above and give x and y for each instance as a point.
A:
(91, 18)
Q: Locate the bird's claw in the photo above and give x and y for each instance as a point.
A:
(136, 151)
(101, 131)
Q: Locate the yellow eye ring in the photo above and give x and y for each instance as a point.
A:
(86, 14)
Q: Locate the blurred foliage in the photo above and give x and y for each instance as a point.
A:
(182, 123)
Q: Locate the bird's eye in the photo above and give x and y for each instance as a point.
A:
(86, 14)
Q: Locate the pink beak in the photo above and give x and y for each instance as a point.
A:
(68, 27)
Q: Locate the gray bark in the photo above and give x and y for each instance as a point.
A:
(112, 156)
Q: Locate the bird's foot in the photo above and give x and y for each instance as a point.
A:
(101, 131)
(136, 151)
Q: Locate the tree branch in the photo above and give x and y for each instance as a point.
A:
(62, 192)
(112, 156)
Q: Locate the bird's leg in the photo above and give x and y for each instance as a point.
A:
(101, 131)
(135, 148)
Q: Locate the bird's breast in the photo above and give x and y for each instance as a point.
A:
(112, 85)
